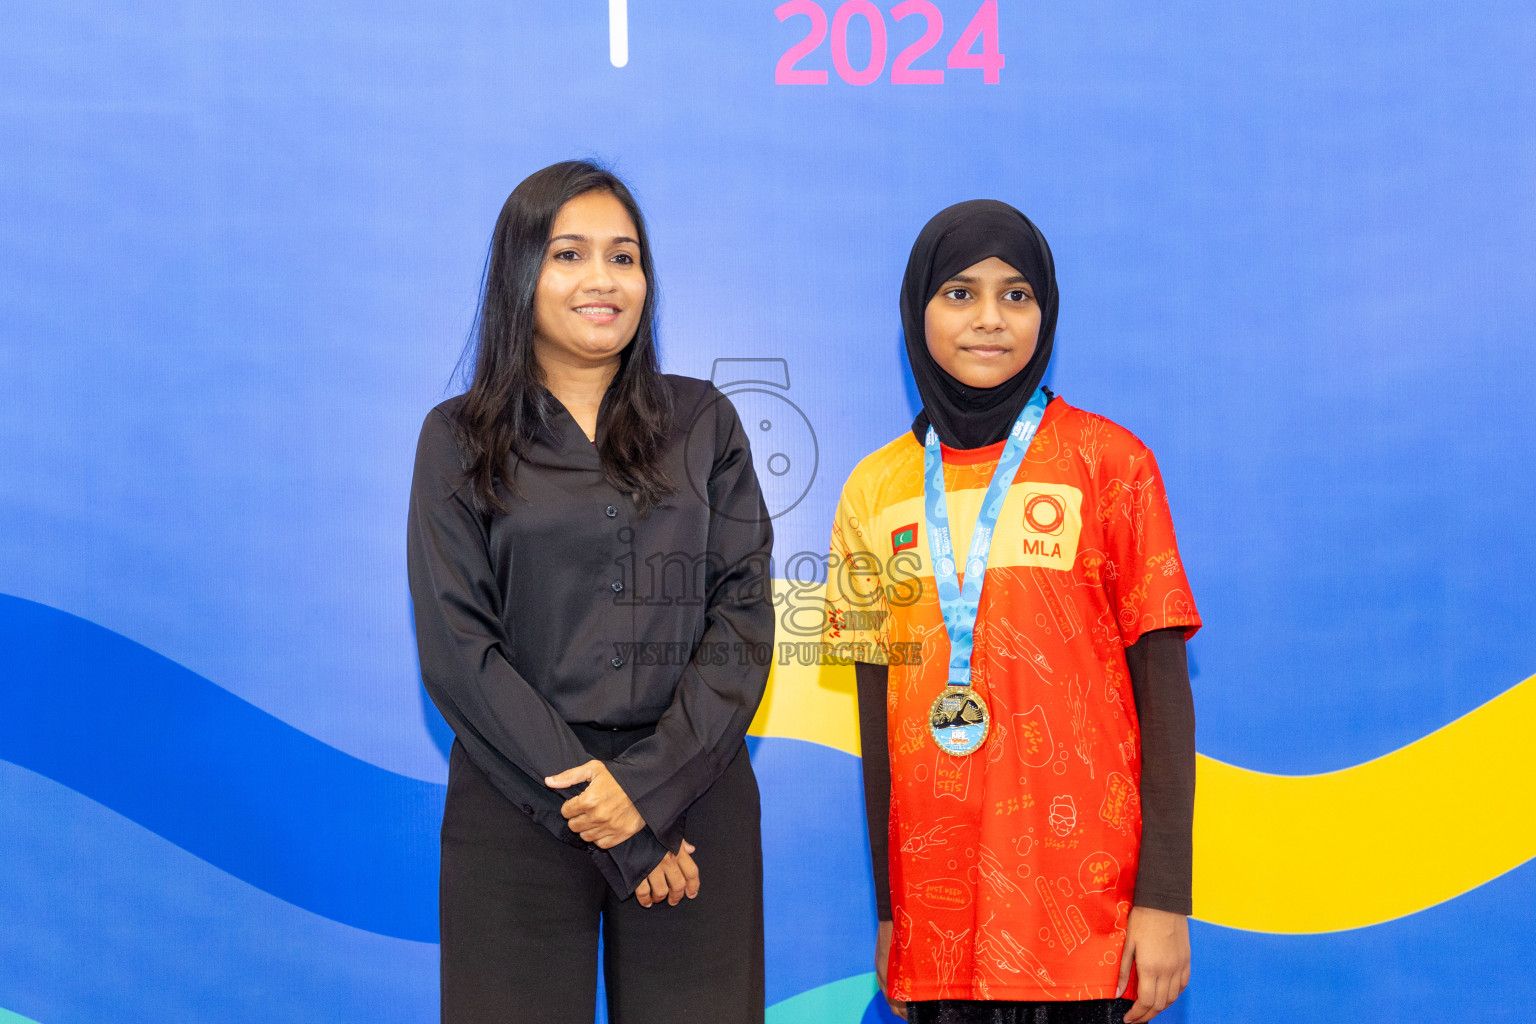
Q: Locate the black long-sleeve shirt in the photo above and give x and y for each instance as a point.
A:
(1165, 710)
(573, 608)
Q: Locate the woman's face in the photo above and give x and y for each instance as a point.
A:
(983, 324)
(591, 288)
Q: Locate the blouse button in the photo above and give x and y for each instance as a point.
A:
(617, 662)
(610, 511)
(617, 586)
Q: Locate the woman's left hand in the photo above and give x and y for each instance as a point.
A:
(602, 813)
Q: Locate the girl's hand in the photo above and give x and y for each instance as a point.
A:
(675, 877)
(602, 813)
(882, 964)
(1157, 941)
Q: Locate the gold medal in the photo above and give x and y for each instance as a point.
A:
(958, 720)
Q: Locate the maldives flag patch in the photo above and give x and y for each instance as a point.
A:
(904, 537)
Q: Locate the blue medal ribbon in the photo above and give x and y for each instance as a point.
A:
(961, 603)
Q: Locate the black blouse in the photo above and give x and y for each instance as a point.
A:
(572, 608)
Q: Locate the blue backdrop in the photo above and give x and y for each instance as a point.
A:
(239, 253)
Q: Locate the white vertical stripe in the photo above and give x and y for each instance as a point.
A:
(618, 32)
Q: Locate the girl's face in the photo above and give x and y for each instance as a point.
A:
(983, 324)
(591, 288)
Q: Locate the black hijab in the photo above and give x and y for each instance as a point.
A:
(956, 238)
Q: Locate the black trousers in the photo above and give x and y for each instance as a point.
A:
(520, 913)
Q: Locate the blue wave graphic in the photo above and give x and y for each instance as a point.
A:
(107, 923)
(1467, 959)
(217, 776)
(171, 936)
(318, 828)
(818, 898)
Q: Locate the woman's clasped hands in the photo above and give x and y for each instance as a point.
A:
(603, 815)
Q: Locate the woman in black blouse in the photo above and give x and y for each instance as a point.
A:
(589, 564)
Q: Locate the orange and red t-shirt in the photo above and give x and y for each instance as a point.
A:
(1013, 869)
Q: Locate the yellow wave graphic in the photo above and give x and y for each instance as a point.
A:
(1297, 853)
(813, 703)
(1379, 840)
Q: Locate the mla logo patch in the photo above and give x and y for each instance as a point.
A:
(903, 537)
(1045, 523)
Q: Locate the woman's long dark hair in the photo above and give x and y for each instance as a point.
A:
(507, 404)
